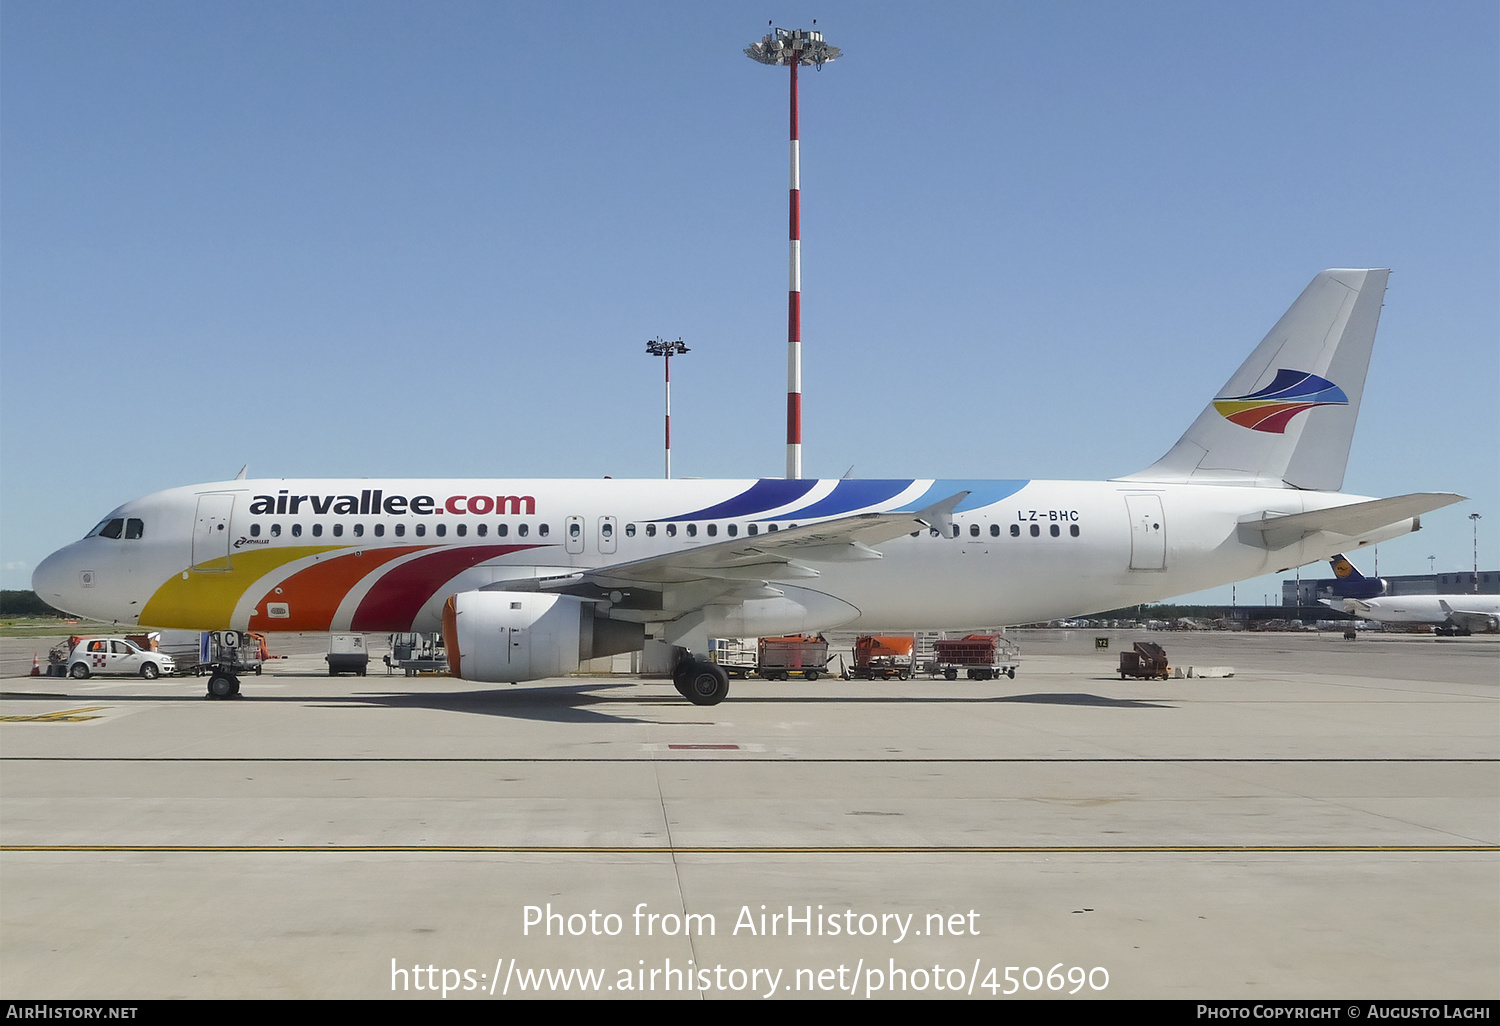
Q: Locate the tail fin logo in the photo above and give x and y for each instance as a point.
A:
(1273, 407)
(1343, 569)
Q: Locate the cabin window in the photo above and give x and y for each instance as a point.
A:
(482, 530)
(461, 530)
(630, 530)
(935, 532)
(752, 529)
(421, 530)
(575, 529)
(1073, 530)
(1056, 531)
(1036, 530)
(441, 530)
(317, 530)
(770, 527)
(671, 530)
(380, 530)
(692, 530)
(607, 530)
(650, 530)
(502, 530)
(994, 530)
(359, 530)
(296, 530)
(254, 531)
(400, 530)
(733, 529)
(713, 530)
(522, 530)
(955, 530)
(338, 530)
(1015, 530)
(542, 529)
(973, 530)
(275, 530)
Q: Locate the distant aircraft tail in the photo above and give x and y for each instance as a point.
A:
(1352, 583)
(1286, 417)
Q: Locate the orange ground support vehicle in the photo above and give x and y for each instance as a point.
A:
(879, 657)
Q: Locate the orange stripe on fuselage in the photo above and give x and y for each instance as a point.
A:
(312, 596)
(204, 598)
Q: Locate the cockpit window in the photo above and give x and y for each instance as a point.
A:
(134, 528)
(108, 528)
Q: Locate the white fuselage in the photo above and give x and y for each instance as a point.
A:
(1425, 608)
(382, 555)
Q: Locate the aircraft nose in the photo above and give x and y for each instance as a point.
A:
(56, 580)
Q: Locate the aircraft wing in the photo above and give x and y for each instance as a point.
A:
(1277, 531)
(772, 556)
(1474, 621)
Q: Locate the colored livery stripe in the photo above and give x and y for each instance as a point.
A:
(1271, 408)
(312, 595)
(766, 494)
(204, 598)
(395, 600)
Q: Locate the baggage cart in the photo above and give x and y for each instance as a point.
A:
(977, 656)
(780, 658)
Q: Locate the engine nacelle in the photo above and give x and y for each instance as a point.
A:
(499, 636)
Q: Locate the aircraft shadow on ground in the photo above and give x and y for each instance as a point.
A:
(591, 702)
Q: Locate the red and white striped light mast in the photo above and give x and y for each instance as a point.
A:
(666, 350)
(794, 47)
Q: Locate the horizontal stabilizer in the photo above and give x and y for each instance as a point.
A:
(1277, 531)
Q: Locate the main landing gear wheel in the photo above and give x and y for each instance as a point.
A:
(223, 685)
(701, 683)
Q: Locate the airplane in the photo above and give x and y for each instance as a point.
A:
(528, 578)
(1460, 614)
(1351, 583)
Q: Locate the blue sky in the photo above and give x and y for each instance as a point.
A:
(400, 239)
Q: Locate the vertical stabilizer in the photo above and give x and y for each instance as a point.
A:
(1286, 417)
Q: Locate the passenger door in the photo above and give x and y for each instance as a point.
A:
(211, 531)
(1148, 532)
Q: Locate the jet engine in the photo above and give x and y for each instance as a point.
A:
(499, 636)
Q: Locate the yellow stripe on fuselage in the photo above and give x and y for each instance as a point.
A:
(203, 599)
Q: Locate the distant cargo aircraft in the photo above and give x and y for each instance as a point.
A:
(1361, 596)
(1351, 583)
(527, 578)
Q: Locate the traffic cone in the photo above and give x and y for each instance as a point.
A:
(36, 665)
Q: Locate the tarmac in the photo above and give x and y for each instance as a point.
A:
(1323, 824)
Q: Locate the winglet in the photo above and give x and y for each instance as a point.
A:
(939, 516)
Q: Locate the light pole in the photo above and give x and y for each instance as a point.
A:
(662, 348)
(1474, 519)
(794, 47)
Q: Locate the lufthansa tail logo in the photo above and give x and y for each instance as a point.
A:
(1271, 408)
